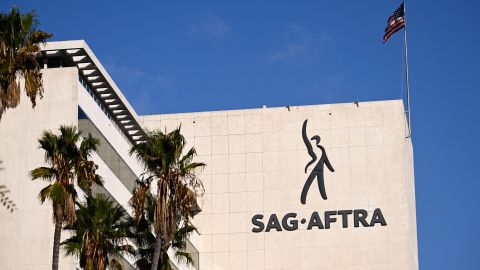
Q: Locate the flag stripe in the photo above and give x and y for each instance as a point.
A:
(388, 35)
(400, 23)
(395, 28)
(393, 25)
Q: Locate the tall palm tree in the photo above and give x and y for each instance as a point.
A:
(101, 230)
(67, 162)
(19, 45)
(177, 185)
(144, 239)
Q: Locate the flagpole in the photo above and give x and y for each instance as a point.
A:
(406, 74)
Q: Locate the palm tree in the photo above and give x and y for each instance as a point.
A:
(19, 45)
(67, 162)
(101, 229)
(177, 185)
(144, 239)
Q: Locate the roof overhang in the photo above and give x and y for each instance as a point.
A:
(93, 74)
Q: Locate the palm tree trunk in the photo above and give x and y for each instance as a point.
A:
(56, 244)
(156, 253)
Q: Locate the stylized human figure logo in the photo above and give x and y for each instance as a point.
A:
(317, 171)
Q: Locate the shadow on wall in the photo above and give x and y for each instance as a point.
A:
(5, 201)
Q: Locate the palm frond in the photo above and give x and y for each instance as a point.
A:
(48, 142)
(89, 144)
(72, 246)
(191, 166)
(183, 257)
(45, 193)
(44, 173)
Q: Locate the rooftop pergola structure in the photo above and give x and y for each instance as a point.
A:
(94, 77)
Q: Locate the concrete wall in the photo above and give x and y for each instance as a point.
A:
(26, 235)
(256, 160)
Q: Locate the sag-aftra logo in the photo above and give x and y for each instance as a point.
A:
(317, 171)
(290, 221)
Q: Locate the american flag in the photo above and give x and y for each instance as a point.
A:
(395, 22)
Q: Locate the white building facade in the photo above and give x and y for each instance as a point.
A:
(352, 162)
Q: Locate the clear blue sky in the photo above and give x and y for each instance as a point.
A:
(210, 55)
